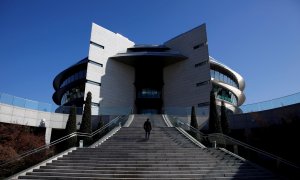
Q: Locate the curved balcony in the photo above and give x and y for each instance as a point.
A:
(237, 92)
(228, 71)
(62, 76)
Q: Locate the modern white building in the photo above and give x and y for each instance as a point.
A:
(148, 78)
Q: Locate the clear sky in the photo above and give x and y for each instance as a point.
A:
(260, 39)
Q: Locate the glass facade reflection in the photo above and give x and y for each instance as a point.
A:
(223, 78)
(74, 77)
(72, 94)
(224, 94)
(148, 93)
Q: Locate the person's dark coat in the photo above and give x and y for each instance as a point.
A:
(147, 126)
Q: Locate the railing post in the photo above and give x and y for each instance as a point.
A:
(81, 143)
(235, 149)
(278, 163)
(120, 124)
(215, 144)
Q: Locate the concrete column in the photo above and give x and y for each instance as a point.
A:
(48, 135)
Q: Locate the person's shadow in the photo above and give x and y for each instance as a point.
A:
(142, 140)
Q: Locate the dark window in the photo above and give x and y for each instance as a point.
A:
(93, 82)
(199, 45)
(202, 83)
(98, 45)
(95, 104)
(201, 63)
(203, 104)
(95, 63)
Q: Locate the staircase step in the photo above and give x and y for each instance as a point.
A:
(148, 167)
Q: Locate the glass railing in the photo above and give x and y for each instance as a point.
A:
(267, 160)
(32, 157)
(47, 107)
(52, 108)
(26, 103)
(272, 104)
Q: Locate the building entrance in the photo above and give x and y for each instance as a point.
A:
(148, 84)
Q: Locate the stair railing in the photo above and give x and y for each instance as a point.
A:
(263, 158)
(7, 167)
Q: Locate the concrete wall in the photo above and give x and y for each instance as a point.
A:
(28, 117)
(265, 118)
(180, 79)
(112, 82)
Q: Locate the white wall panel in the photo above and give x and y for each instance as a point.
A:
(5, 109)
(94, 72)
(180, 79)
(117, 88)
(29, 117)
(116, 79)
(95, 90)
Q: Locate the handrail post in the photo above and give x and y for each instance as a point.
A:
(235, 149)
(215, 144)
(278, 163)
(81, 143)
(120, 124)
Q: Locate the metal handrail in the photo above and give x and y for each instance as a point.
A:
(79, 134)
(247, 146)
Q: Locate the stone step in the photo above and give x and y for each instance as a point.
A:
(152, 171)
(143, 178)
(145, 147)
(148, 167)
(151, 163)
(151, 155)
(149, 159)
(151, 175)
(129, 151)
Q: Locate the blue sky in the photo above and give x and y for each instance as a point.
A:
(260, 39)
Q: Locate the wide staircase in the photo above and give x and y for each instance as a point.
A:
(168, 154)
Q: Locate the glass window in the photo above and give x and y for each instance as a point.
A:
(217, 75)
(221, 77)
(76, 76)
(148, 93)
(212, 73)
(72, 94)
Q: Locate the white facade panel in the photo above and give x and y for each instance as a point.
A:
(96, 53)
(117, 88)
(95, 90)
(94, 72)
(116, 79)
(181, 79)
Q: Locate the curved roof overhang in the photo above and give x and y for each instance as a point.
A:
(67, 72)
(226, 70)
(135, 58)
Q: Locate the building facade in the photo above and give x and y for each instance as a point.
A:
(148, 78)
